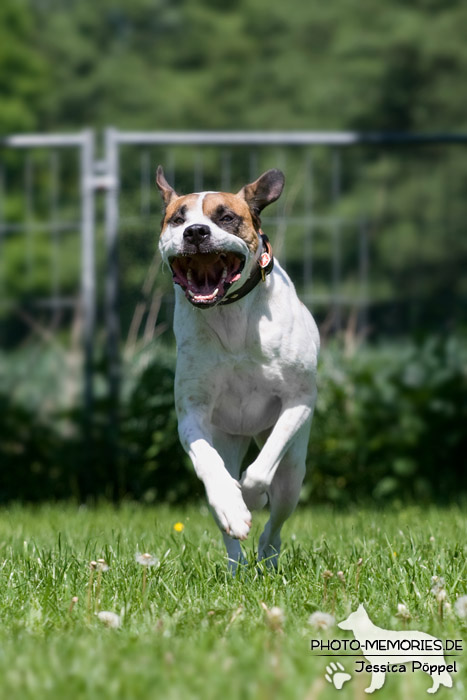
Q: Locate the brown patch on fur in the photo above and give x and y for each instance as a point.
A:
(175, 205)
(243, 226)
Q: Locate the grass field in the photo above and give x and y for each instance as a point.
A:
(196, 632)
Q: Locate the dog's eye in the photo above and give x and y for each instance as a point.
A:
(178, 221)
(227, 218)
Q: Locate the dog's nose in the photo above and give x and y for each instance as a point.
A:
(196, 233)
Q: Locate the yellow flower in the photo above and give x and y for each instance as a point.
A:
(179, 527)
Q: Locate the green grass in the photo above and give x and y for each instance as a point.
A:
(197, 632)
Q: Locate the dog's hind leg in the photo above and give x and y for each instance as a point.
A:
(232, 449)
(283, 495)
(258, 477)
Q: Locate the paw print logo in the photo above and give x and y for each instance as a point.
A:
(336, 675)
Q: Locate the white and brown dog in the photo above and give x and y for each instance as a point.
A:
(247, 351)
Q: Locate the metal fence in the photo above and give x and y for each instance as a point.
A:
(46, 210)
(351, 204)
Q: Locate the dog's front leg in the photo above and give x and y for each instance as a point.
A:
(223, 492)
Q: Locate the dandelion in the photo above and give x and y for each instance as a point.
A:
(179, 527)
(403, 612)
(439, 591)
(92, 568)
(110, 619)
(73, 602)
(438, 587)
(274, 616)
(460, 606)
(101, 566)
(432, 539)
(321, 620)
(146, 560)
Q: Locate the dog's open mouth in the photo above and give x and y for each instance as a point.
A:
(206, 277)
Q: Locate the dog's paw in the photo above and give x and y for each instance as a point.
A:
(253, 492)
(230, 511)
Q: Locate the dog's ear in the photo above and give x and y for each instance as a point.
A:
(263, 191)
(168, 193)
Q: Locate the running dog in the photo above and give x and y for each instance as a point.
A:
(247, 352)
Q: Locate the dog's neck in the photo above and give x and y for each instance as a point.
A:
(261, 269)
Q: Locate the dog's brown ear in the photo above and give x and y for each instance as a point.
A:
(168, 193)
(263, 191)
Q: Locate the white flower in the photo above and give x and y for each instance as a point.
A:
(460, 606)
(275, 617)
(101, 565)
(403, 611)
(321, 620)
(438, 588)
(146, 559)
(440, 595)
(110, 619)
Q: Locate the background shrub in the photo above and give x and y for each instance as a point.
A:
(390, 423)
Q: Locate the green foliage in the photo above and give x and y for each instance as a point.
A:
(389, 424)
(254, 64)
(392, 423)
(22, 69)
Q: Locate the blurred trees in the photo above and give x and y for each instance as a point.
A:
(22, 69)
(262, 64)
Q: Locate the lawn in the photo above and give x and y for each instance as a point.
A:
(196, 632)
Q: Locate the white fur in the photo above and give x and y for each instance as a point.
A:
(245, 370)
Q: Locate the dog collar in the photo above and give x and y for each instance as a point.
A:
(263, 268)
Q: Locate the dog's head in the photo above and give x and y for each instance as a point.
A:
(211, 239)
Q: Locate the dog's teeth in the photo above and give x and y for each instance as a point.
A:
(224, 274)
(203, 297)
(189, 275)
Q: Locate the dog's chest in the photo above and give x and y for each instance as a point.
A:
(247, 399)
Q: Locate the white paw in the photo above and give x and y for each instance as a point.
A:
(254, 492)
(336, 675)
(230, 510)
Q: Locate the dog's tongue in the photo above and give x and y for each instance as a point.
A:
(203, 277)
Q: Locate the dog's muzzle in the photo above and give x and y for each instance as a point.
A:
(205, 277)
